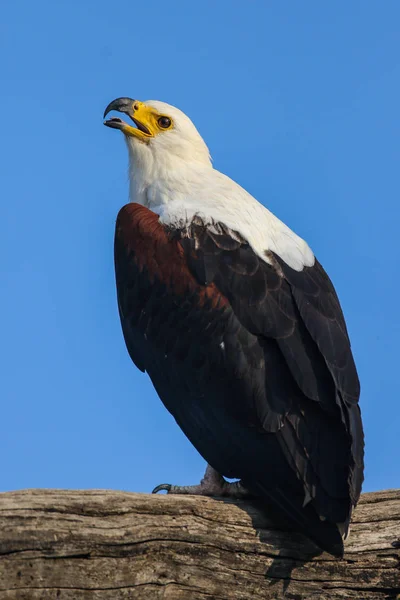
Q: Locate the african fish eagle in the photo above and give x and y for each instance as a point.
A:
(239, 328)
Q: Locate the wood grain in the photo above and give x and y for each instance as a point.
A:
(106, 545)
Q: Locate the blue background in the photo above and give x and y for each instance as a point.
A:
(298, 101)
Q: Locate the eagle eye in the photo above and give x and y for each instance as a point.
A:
(164, 122)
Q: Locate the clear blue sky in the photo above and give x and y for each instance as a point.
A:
(298, 101)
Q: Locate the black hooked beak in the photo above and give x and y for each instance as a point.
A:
(123, 105)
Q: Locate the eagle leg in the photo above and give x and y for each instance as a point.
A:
(212, 484)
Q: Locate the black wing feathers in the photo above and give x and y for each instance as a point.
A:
(307, 357)
(252, 359)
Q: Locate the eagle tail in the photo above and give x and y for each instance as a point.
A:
(324, 533)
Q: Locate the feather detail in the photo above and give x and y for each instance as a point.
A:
(242, 362)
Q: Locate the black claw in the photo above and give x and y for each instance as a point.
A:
(163, 486)
(396, 543)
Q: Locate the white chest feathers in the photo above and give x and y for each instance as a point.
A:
(179, 195)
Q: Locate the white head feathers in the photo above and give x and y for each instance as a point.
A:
(181, 143)
(171, 173)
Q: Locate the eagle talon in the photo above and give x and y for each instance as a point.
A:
(212, 484)
(163, 486)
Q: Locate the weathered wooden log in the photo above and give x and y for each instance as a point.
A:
(105, 545)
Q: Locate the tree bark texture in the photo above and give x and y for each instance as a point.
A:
(105, 545)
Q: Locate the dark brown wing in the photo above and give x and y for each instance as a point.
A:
(297, 317)
(252, 359)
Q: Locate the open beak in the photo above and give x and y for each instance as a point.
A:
(137, 111)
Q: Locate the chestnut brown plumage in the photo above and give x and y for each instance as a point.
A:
(253, 360)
